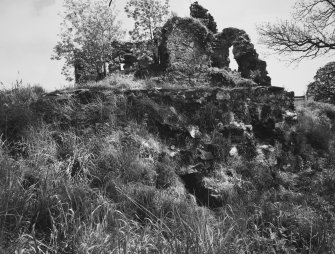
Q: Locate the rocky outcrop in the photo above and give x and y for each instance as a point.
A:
(208, 126)
(202, 127)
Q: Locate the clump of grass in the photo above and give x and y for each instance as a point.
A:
(16, 112)
(116, 81)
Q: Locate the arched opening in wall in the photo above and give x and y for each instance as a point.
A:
(232, 64)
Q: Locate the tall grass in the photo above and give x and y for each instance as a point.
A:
(16, 110)
(85, 178)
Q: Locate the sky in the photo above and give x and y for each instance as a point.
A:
(29, 30)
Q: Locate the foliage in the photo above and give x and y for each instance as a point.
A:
(323, 87)
(308, 35)
(88, 29)
(149, 15)
(199, 12)
(95, 181)
(316, 123)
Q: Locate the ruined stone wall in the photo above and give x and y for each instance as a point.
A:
(185, 41)
(249, 65)
(201, 13)
(179, 108)
(185, 49)
(207, 108)
(221, 44)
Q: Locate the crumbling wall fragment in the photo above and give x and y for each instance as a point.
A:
(199, 12)
(188, 44)
(249, 65)
(185, 42)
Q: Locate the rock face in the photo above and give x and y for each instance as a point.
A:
(187, 42)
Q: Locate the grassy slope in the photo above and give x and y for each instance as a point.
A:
(84, 178)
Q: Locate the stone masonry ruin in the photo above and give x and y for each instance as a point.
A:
(223, 114)
(204, 124)
(244, 52)
(187, 45)
(187, 41)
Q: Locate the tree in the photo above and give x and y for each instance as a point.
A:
(323, 87)
(85, 43)
(149, 15)
(309, 34)
(199, 12)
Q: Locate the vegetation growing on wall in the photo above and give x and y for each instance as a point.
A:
(199, 12)
(184, 34)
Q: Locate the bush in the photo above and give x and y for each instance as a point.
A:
(316, 126)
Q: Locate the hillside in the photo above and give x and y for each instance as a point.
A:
(123, 167)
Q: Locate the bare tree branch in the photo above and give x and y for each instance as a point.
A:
(310, 34)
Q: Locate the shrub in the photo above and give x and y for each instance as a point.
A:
(316, 126)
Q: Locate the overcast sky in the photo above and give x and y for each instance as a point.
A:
(29, 31)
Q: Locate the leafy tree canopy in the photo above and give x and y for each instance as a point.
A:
(309, 34)
(88, 29)
(148, 15)
(323, 87)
